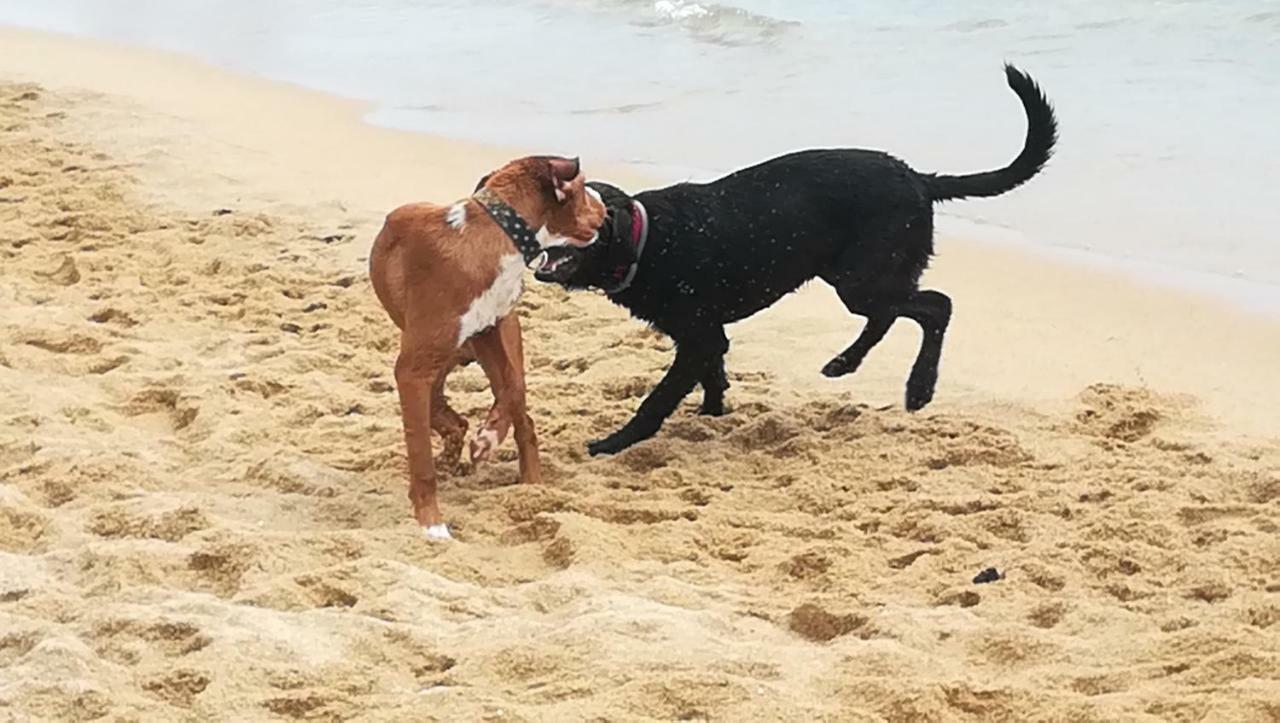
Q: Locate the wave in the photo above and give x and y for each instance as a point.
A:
(623, 109)
(706, 21)
(977, 25)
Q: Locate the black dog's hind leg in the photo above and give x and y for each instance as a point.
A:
(714, 383)
(847, 361)
(696, 358)
(932, 311)
(880, 282)
(876, 303)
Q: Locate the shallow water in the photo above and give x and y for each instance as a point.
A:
(1167, 157)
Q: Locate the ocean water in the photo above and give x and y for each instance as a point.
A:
(1169, 159)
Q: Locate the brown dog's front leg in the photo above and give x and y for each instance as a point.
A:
(491, 434)
(501, 355)
(526, 433)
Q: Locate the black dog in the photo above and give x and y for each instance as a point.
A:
(709, 254)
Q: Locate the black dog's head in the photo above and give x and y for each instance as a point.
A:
(596, 265)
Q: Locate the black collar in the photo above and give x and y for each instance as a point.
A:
(525, 239)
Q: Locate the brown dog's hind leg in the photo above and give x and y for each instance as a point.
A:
(450, 425)
(416, 373)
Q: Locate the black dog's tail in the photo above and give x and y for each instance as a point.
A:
(1042, 134)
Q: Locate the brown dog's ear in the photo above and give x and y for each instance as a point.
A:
(563, 171)
(483, 181)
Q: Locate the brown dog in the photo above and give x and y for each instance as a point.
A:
(449, 277)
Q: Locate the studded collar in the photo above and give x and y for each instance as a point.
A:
(524, 238)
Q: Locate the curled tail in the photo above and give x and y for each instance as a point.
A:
(1042, 134)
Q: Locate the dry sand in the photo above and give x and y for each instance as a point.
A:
(202, 501)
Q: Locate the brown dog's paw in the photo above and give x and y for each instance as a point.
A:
(483, 445)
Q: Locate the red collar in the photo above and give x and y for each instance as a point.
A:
(623, 275)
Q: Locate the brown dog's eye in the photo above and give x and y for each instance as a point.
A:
(483, 181)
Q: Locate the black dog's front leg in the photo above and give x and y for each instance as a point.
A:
(693, 360)
(714, 383)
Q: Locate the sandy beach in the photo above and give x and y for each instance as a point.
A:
(203, 510)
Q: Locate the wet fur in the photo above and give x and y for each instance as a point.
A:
(719, 252)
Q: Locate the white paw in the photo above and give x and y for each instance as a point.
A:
(437, 532)
(485, 441)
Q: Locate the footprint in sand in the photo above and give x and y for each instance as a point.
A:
(102, 366)
(180, 411)
(817, 624)
(560, 553)
(324, 593)
(177, 688)
(806, 565)
(301, 706)
(221, 565)
(113, 316)
(171, 526)
(1119, 413)
(65, 275)
(128, 641)
(63, 344)
(1047, 615)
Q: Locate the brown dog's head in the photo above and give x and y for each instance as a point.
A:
(550, 193)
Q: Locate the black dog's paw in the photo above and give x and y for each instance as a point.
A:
(918, 395)
(609, 445)
(709, 409)
(920, 387)
(838, 367)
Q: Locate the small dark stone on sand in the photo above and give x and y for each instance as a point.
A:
(315, 306)
(290, 327)
(988, 575)
(222, 212)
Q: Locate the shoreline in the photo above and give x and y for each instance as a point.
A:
(1253, 296)
(1237, 294)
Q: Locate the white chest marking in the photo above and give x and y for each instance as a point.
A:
(457, 216)
(496, 301)
(546, 239)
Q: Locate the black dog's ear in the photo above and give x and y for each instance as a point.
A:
(483, 181)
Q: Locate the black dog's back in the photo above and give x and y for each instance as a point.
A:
(734, 246)
(719, 252)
